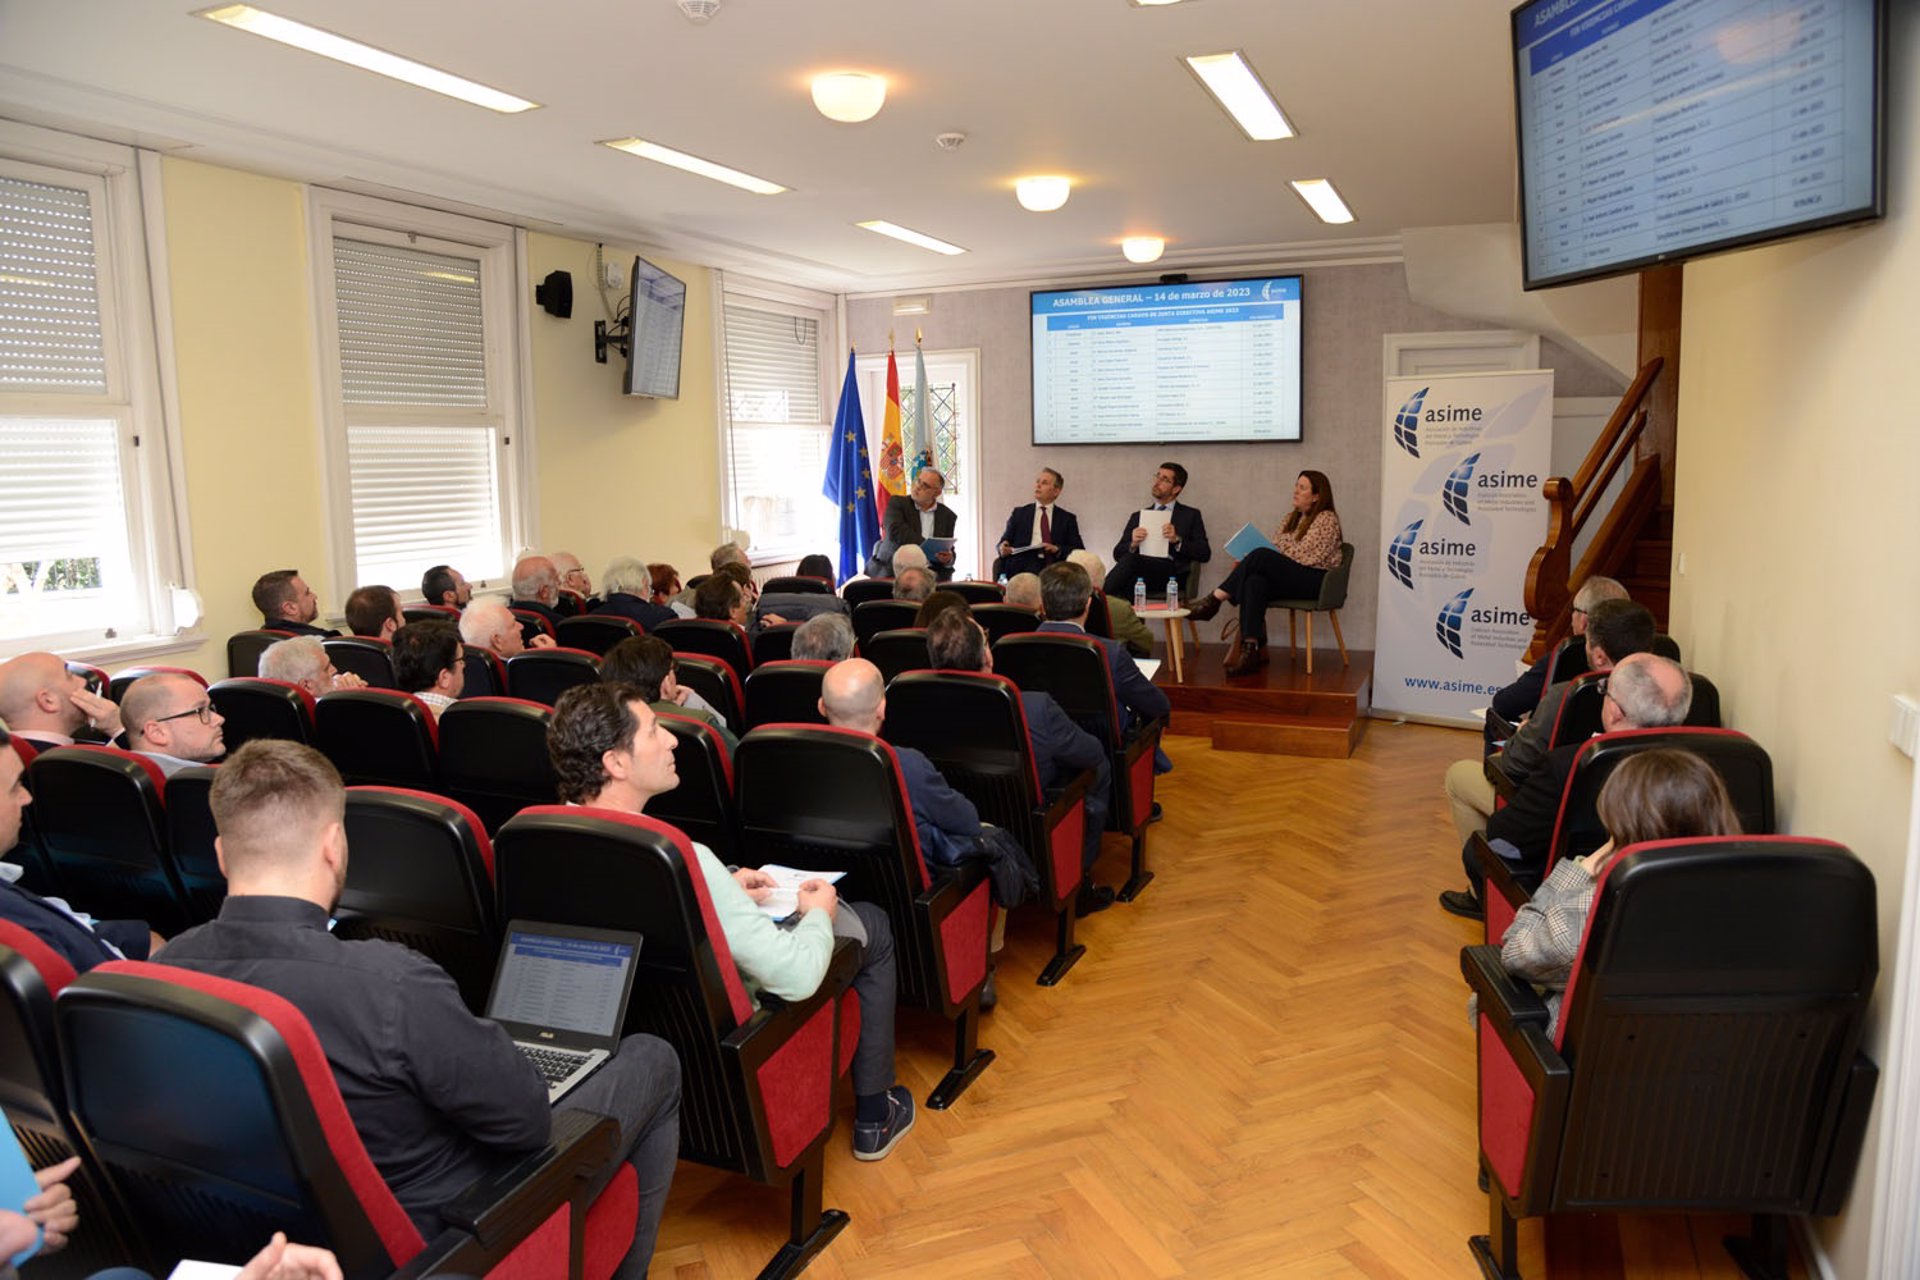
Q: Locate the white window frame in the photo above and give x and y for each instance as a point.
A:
(141, 394)
(768, 295)
(501, 251)
(962, 365)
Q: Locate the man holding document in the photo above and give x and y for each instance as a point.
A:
(1040, 533)
(919, 518)
(1162, 540)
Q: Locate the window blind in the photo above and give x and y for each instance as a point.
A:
(777, 436)
(410, 326)
(424, 495)
(50, 337)
(773, 366)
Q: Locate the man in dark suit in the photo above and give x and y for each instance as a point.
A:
(912, 518)
(1066, 590)
(1185, 531)
(1643, 692)
(444, 584)
(628, 584)
(1042, 521)
(50, 706)
(536, 589)
(1517, 701)
(287, 603)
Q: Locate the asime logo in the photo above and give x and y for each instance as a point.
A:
(1453, 496)
(1400, 553)
(1406, 423)
(1447, 626)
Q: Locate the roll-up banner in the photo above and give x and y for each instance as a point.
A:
(1461, 513)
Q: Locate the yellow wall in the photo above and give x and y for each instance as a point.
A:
(1795, 517)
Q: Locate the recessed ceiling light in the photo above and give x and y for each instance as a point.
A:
(1323, 200)
(694, 164)
(1143, 249)
(1042, 194)
(244, 17)
(1232, 82)
(912, 237)
(849, 96)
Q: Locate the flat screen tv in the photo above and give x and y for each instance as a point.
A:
(1654, 131)
(1184, 363)
(659, 313)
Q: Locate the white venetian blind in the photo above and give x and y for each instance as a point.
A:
(49, 298)
(411, 329)
(776, 428)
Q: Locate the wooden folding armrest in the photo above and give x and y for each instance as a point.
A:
(501, 1208)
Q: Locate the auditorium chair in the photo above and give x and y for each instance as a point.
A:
(596, 632)
(1707, 1057)
(1073, 669)
(364, 656)
(976, 592)
(1577, 718)
(973, 727)
(486, 674)
(798, 583)
(37, 871)
(532, 623)
(96, 679)
(702, 805)
(1743, 765)
(190, 836)
(100, 813)
(1099, 621)
(714, 679)
(875, 616)
(542, 675)
(118, 684)
(245, 647)
(1005, 620)
(378, 737)
(431, 613)
(569, 603)
(826, 799)
(420, 873)
(897, 651)
(756, 1084)
(255, 707)
(785, 693)
(774, 643)
(1704, 711)
(493, 757)
(713, 637)
(861, 590)
(1332, 598)
(233, 1128)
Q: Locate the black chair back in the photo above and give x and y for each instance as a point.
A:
(190, 835)
(785, 693)
(431, 613)
(977, 592)
(899, 651)
(1579, 717)
(875, 616)
(716, 680)
(123, 679)
(596, 632)
(774, 643)
(486, 674)
(1704, 711)
(377, 737)
(1001, 620)
(861, 590)
(493, 757)
(710, 637)
(798, 583)
(244, 649)
(1742, 763)
(702, 805)
(101, 817)
(1099, 619)
(542, 675)
(370, 659)
(255, 707)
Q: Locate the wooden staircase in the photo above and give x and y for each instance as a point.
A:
(1647, 572)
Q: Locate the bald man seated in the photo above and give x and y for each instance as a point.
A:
(50, 706)
(575, 578)
(170, 719)
(536, 589)
(490, 625)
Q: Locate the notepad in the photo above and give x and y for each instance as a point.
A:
(1248, 540)
(785, 898)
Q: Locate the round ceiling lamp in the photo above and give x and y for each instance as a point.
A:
(849, 96)
(1043, 194)
(1143, 249)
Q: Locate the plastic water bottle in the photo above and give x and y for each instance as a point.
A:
(1173, 592)
(1139, 594)
(1003, 582)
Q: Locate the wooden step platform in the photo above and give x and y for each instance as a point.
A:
(1280, 709)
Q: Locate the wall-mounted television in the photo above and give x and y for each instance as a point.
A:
(1654, 131)
(1182, 363)
(654, 325)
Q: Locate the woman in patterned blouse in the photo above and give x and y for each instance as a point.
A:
(1309, 545)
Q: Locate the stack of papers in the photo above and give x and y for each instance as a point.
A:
(785, 898)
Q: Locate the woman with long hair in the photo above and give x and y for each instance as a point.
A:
(1308, 546)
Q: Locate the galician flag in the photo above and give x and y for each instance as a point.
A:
(920, 436)
(850, 480)
(893, 462)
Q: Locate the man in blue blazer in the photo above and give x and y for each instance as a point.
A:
(1185, 531)
(1042, 521)
(1065, 591)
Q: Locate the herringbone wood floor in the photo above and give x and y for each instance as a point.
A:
(1262, 1067)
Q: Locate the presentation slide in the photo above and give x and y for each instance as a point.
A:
(1168, 364)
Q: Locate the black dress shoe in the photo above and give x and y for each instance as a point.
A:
(1156, 814)
(988, 996)
(1092, 898)
(1203, 609)
(1462, 903)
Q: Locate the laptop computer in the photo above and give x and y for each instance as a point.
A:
(561, 992)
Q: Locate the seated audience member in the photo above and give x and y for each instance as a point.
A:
(440, 1098)
(913, 584)
(1023, 592)
(575, 578)
(287, 603)
(536, 588)
(1615, 629)
(723, 598)
(170, 719)
(817, 566)
(429, 663)
(443, 584)
(1644, 692)
(724, 554)
(938, 603)
(487, 624)
(374, 612)
(1661, 794)
(1061, 748)
(610, 752)
(1517, 701)
(646, 663)
(827, 637)
(1125, 624)
(629, 585)
(80, 939)
(853, 696)
(666, 586)
(50, 706)
(1067, 592)
(909, 558)
(798, 606)
(303, 661)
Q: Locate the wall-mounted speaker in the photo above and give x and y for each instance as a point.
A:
(555, 294)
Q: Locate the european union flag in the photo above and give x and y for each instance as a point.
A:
(849, 482)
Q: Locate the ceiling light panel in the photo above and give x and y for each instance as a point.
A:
(909, 236)
(1323, 200)
(244, 17)
(694, 164)
(849, 96)
(1143, 249)
(1042, 194)
(1233, 84)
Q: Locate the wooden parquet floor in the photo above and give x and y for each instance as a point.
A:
(1262, 1067)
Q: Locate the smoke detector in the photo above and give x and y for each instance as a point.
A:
(949, 141)
(698, 10)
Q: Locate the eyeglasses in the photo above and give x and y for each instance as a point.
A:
(204, 711)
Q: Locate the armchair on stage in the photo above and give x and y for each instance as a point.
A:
(1708, 1053)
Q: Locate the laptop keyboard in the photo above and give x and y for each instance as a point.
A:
(554, 1065)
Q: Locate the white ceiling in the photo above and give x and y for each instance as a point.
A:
(1405, 104)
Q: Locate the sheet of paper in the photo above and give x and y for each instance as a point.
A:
(1147, 666)
(191, 1270)
(785, 899)
(1155, 523)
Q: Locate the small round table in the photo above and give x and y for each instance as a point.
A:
(1176, 645)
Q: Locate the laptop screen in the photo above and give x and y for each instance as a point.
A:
(571, 984)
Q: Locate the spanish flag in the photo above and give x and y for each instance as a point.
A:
(893, 461)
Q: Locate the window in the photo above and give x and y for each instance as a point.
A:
(89, 548)
(419, 343)
(778, 420)
(952, 389)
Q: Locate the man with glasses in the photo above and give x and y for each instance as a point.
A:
(1517, 701)
(914, 517)
(171, 721)
(1179, 529)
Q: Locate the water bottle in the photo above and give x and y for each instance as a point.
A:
(1139, 594)
(1003, 582)
(1173, 592)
